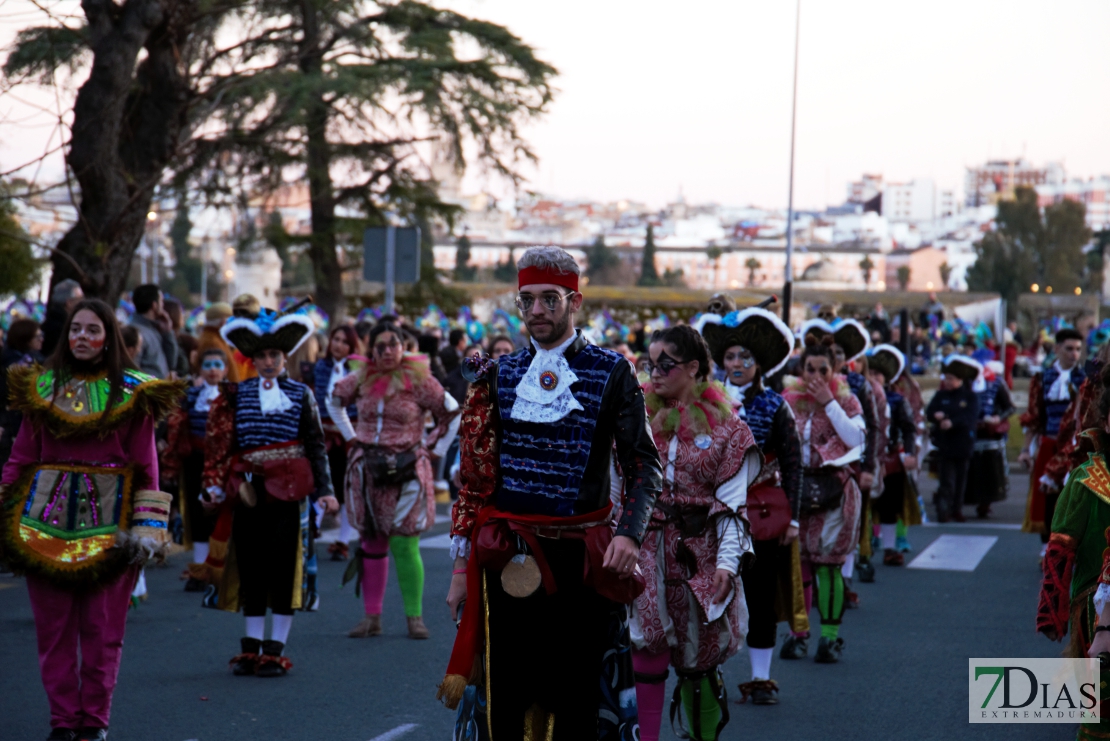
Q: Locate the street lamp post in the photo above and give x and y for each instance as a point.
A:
(788, 287)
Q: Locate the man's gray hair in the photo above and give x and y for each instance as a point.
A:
(548, 258)
(64, 291)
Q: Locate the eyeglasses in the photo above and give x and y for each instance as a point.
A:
(550, 301)
(213, 364)
(380, 347)
(663, 366)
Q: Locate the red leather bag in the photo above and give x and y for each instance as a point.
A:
(768, 512)
(289, 480)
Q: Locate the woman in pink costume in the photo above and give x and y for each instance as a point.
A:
(79, 511)
(691, 614)
(390, 482)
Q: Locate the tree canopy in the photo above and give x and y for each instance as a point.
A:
(348, 97)
(1027, 247)
(21, 269)
(649, 274)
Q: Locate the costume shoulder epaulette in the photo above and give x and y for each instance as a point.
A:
(479, 368)
(1094, 475)
(79, 408)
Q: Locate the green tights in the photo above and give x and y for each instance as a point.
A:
(830, 598)
(410, 572)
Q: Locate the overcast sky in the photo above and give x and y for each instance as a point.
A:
(657, 96)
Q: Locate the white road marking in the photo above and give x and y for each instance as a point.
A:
(973, 525)
(395, 733)
(437, 541)
(954, 553)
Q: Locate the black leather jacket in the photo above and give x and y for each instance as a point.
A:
(622, 423)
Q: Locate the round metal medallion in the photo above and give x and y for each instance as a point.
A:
(521, 577)
(703, 441)
(548, 381)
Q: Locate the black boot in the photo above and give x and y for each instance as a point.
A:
(62, 734)
(246, 662)
(794, 647)
(93, 734)
(271, 663)
(866, 571)
(829, 650)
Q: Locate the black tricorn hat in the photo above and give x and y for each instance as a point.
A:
(757, 330)
(849, 334)
(268, 331)
(962, 367)
(888, 360)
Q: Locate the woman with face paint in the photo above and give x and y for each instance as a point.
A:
(79, 512)
(830, 422)
(691, 614)
(390, 482)
(750, 345)
(183, 462)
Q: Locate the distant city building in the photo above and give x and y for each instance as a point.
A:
(1093, 193)
(997, 179)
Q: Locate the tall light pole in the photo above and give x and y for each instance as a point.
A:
(788, 287)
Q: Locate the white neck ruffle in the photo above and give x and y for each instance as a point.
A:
(543, 394)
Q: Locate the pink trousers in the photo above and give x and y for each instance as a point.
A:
(91, 623)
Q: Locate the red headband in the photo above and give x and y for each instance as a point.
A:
(533, 276)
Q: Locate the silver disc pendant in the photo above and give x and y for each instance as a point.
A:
(521, 576)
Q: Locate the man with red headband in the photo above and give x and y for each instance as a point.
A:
(542, 581)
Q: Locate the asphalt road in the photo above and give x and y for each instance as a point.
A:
(903, 675)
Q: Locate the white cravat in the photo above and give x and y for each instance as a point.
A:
(207, 395)
(543, 394)
(272, 400)
(1061, 387)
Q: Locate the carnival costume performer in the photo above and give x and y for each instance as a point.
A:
(1050, 393)
(954, 414)
(690, 615)
(988, 474)
(1076, 587)
(751, 345)
(264, 464)
(79, 511)
(389, 479)
(898, 457)
(830, 421)
(182, 462)
(339, 362)
(850, 341)
(536, 551)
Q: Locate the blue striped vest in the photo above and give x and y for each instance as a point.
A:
(760, 414)
(1054, 410)
(987, 397)
(542, 464)
(198, 421)
(321, 375)
(253, 429)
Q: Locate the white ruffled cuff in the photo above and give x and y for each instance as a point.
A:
(460, 546)
(1102, 596)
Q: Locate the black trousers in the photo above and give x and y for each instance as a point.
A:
(892, 501)
(265, 538)
(200, 522)
(761, 578)
(949, 498)
(548, 650)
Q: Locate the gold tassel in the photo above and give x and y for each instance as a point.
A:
(450, 693)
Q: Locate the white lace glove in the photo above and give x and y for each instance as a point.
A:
(216, 494)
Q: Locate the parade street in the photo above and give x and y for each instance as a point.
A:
(903, 674)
